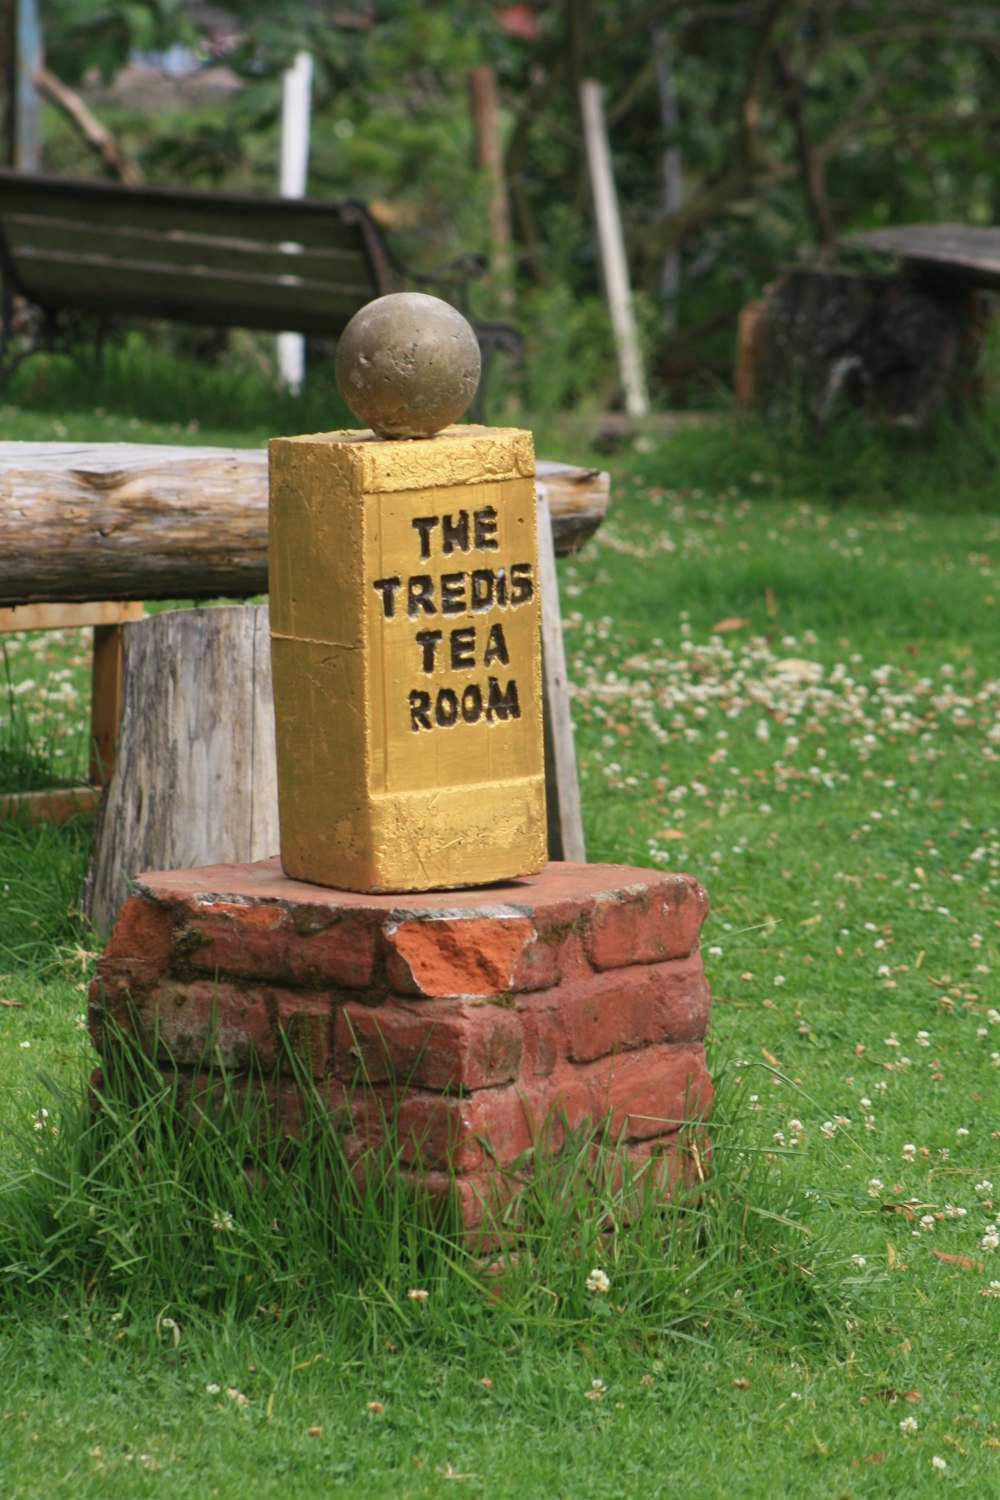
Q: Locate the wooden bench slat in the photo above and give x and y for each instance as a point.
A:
(255, 217)
(234, 299)
(27, 232)
(44, 254)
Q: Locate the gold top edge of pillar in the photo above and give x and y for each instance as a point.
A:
(461, 454)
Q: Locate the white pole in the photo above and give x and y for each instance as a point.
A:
(296, 103)
(28, 50)
(612, 247)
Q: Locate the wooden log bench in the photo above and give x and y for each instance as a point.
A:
(96, 527)
(223, 260)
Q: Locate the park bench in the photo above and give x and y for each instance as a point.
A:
(86, 529)
(72, 248)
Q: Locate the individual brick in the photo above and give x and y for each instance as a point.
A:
(293, 944)
(622, 1009)
(649, 1092)
(457, 955)
(431, 1044)
(144, 930)
(646, 922)
(464, 1132)
(195, 1022)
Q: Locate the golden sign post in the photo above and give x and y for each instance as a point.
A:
(405, 623)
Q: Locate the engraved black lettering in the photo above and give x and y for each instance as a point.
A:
(387, 588)
(427, 640)
(446, 708)
(481, 588)
(455, 533)
(484, 529)
(463, 645)
(419, 591)
(502, 705)
(496, 647)
(420, 710)
(453, 593)
(424, 525)
(501, 583)
(472, 703)
(521, 586)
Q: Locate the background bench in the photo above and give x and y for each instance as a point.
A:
(221, 260)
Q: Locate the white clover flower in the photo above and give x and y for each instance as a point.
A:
(223, 1221)
(597, 1281)
(990, 1240)
(908, 1426)
(909, 1151)
(875, 1186)
(418, 1294)
(985, 1187)
(927, 1222)
(213, 1389)
(938, 1463)
(923, 1039)
(859, 1261)
(829, 1129)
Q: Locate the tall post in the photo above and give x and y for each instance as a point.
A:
(673, 189)
(489, 159)
(28, 57)
(612, 247)
(296, 103)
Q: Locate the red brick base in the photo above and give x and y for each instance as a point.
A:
(477, 1022)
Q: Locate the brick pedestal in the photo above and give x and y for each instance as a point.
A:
(472, 1018)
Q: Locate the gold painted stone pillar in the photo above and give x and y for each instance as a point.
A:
(405, 635)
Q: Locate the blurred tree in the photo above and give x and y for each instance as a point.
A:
(795, 120)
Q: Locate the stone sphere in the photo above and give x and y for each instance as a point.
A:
(407, 365)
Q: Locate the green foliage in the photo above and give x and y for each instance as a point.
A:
(102, 34)
(886, 114)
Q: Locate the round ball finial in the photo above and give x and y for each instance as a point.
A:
(408, 365)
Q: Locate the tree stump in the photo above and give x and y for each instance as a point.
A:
(820, 340)
(194, 776)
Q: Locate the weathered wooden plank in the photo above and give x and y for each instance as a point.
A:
(58, 805)
(189, 294)
(949, 254)
(100, 521)
(194, 779)
(308, 221)
(30, 238)
(562, 789)
(67, 616)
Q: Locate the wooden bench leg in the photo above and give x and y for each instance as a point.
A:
(562, 788)
(105, 700)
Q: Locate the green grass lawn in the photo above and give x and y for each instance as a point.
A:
(784, 666)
